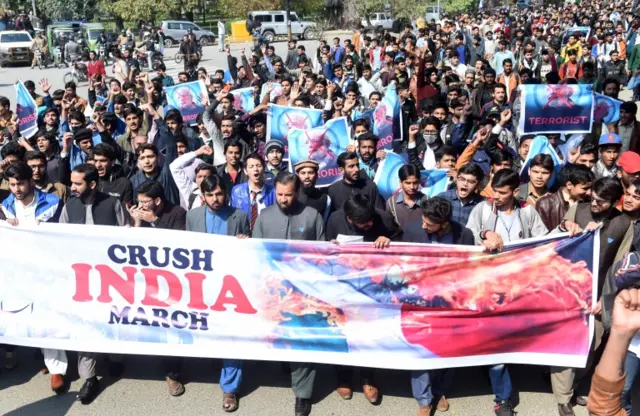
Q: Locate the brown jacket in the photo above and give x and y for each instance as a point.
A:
(57, 189)
(605, 397)
(552, 209)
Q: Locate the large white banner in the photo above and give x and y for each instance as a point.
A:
(149, 291)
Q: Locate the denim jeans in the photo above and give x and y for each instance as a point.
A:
(631, 367)
(230, 376)
(427, 384)
(500, 382)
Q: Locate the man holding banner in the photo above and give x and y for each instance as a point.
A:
(302, 223)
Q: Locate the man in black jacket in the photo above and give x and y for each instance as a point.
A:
(232, 173)
(154, 211)
(90, 206)
(352, 183)
(358, 217)
(437, 225)
(112, 180)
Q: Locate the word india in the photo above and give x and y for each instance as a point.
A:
(157, 310)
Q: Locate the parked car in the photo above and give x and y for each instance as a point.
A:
(174, 30)
(15, 48)
(434, 12)
(274, 23)
(381, 19)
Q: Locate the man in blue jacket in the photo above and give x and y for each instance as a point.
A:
(254, 195)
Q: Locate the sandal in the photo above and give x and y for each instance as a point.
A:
(229, 402)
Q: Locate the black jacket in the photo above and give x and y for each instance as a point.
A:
(384, 225)
(340, 191)
(117, 185)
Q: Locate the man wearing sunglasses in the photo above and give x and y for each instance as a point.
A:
(616, 235)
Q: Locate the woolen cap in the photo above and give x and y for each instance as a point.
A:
(306, 164)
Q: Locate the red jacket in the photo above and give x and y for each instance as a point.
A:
(96, 67)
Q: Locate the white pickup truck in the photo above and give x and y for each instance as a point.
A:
(381, 19)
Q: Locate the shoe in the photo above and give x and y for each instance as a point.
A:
(57, 382)
(115, 368)
(443, 404)
(424, 411)
(580, 400)
(89, 391)
(175, 387)
(303, 407)
(345, 392)
(565, 410)
(370, 392)
(10, 360)
(503, 408)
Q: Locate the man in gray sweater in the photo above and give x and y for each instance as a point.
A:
(289, 219)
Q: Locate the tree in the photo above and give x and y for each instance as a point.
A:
(147, 9)
(67, 9)
(240, 8)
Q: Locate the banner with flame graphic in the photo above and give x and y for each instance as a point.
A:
(161, 292)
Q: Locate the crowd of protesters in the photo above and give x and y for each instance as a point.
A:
(130, 163)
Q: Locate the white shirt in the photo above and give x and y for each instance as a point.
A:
(26, 214)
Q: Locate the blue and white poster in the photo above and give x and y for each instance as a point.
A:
(188, 98)
(275, 92)
(26, 110)
(558, 108)
(434, 181)
(386, 177)
(606, 110)
(322, 144)
(244, 99)
(634, 81)
(281, 119)
(577, 31)
(540, 144)
(384, 119)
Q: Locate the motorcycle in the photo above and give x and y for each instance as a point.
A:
(40, 61)
(78, 72)
(156, 58)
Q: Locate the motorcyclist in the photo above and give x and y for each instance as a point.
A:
(39, 42)
(149, 47)
(61, 41)
(72, 50)
(102, 41)
(122, 41)
(130, 43)
(190, 51)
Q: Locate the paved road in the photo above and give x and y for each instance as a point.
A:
(266, 392)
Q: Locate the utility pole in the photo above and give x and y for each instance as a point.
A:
(288, 7)
(33, 7)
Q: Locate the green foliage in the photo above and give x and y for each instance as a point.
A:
(67, 9)
(453, 6)
(240, 8)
